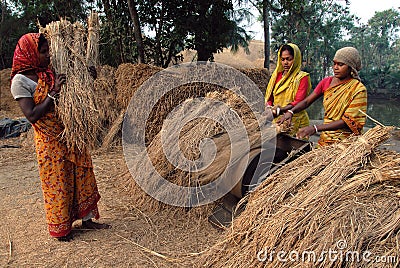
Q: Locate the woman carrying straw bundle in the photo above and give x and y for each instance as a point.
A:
(345, 101)
(288, 86)
(68, 183)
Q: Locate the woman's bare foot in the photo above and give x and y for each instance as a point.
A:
(89, 224)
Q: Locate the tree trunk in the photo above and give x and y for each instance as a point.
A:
(3, 11)
(137, 30)
(202, 54)
(107, 10)
(265, 15)
(326, 59)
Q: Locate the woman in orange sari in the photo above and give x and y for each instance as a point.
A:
(68, 183)
(344, 100)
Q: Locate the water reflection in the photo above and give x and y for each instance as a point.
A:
(386, 112)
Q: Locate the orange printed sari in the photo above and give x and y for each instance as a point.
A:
(344, 101)
(68, 182)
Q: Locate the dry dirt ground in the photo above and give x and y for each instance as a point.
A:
(24, 241)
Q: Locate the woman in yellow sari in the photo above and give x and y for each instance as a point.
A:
(344, 100)
(67, 178)
(288, 86)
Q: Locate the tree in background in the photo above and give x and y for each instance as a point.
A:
(167, 27)
(379, 45)
(318, 28)
(22, 16)
(117, 38)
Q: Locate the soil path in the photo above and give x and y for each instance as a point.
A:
(24, 240)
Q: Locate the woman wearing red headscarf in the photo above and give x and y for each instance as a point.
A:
(68, 183)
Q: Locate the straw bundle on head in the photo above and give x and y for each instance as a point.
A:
(92, 48)
(77, 106)
(342, 198)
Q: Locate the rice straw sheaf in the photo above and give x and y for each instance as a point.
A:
(191, 136)
(347, 193)
(76, 107)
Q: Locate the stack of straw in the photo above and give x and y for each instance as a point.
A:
(73, 50)
(129, 77)
(342, 198)
(192, 174)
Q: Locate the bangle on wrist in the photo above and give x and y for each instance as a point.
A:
(278, 110)
(51, 97)
(290, 111)
(316, 129)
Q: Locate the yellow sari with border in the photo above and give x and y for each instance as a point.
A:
(284, 91)
(344, 101)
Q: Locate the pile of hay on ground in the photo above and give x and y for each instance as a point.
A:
(129, 77)
(114, 90)
(105, 97)
(342, 198)
(73, 49)
(187, 143)
(260, 76)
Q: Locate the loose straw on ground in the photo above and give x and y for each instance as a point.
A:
(340, 192)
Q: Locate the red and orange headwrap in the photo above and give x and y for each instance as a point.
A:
(26, 58)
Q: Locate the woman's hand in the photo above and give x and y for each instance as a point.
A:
(92, 71)
(305, 132)
(275, 110)
(60, 80)
(285, 117)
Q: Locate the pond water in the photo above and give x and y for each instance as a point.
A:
(386, 112)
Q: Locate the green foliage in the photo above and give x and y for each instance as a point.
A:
(22, 16)
(11, 30)
(317, 27)
(206, 26)
(116, 34)
(379, 45)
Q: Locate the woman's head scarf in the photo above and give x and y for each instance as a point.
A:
(26, 58)
(288, 79)
(350, 57)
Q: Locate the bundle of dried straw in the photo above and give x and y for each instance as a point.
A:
(73, 50)
(343, 198)
(190, 137)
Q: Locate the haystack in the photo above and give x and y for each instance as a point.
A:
(129, 77)
(342, 198)
(167, 152)
(73, 50)
(260, 76)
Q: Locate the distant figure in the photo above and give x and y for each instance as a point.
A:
(68, 183)
(345, 100)
(288, 86)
